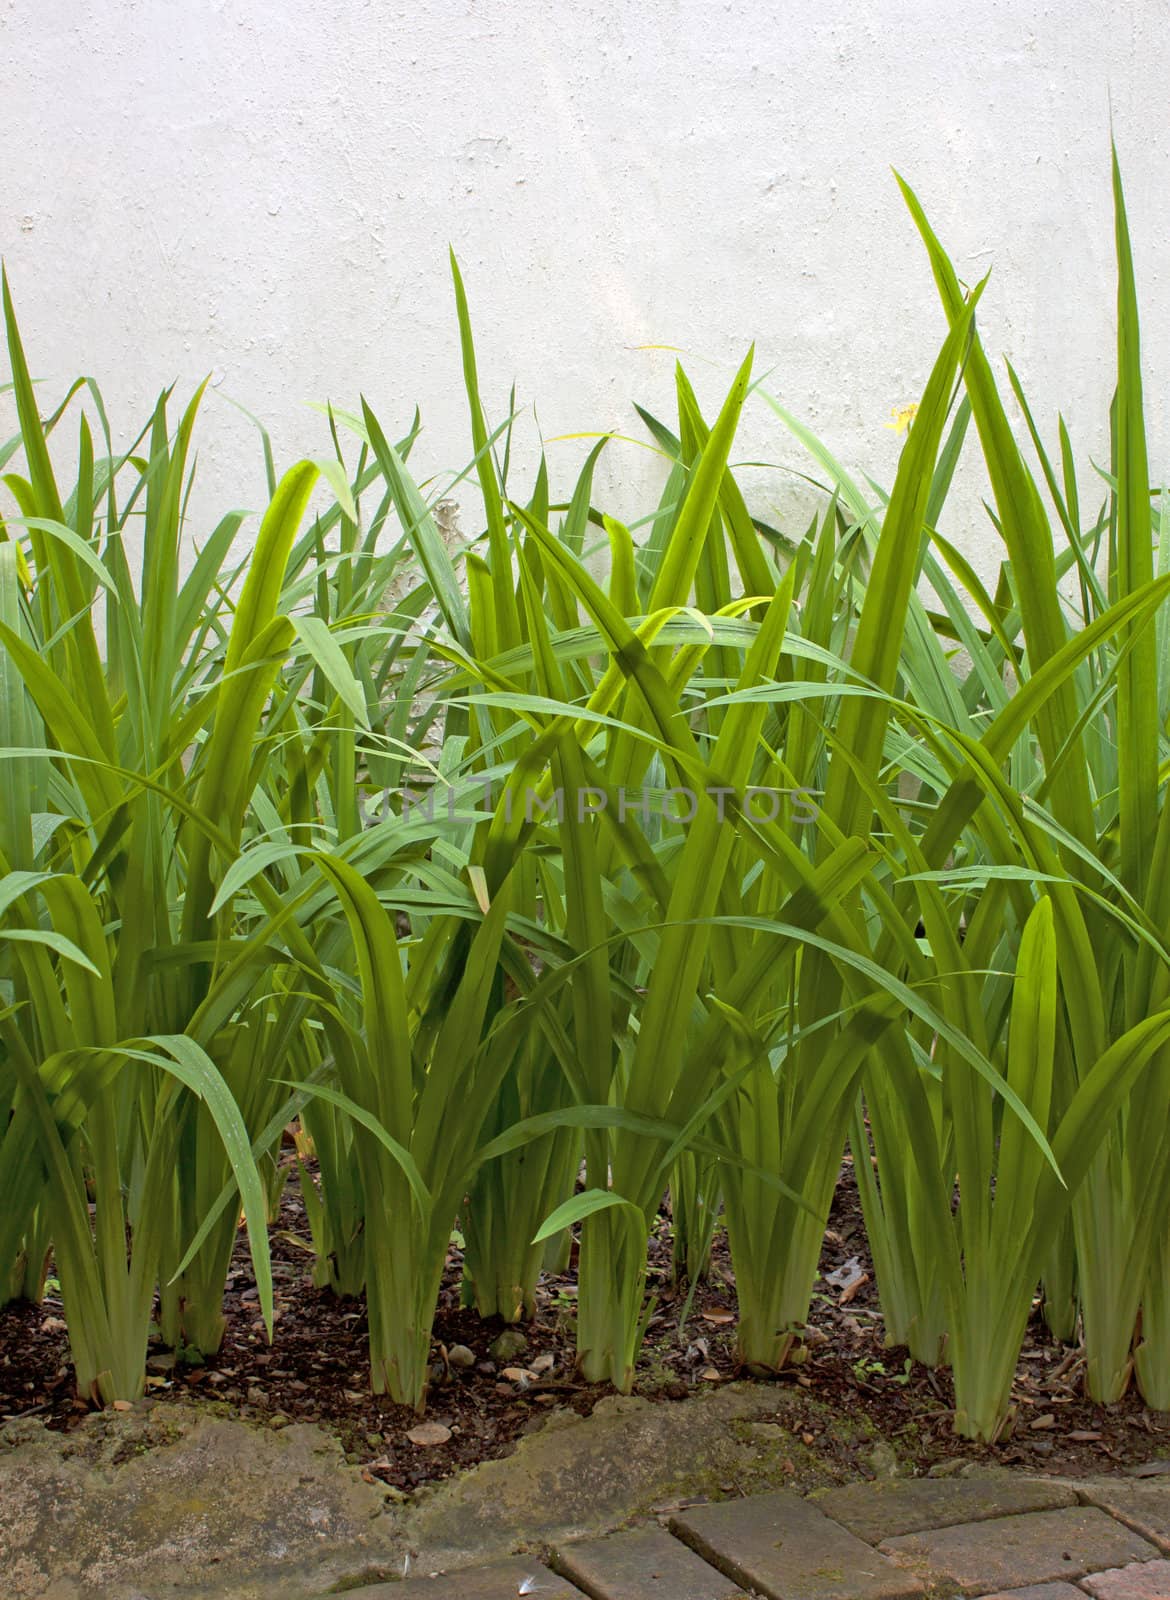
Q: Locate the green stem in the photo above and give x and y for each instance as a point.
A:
(1152, 1356)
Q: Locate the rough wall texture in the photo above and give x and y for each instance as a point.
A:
(266, 190)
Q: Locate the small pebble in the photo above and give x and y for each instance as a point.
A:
(508, 1345)
(427, 1434)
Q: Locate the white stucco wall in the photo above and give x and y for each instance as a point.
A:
(266, 191)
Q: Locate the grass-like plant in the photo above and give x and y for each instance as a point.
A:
(1033, 775)
(222, 905)
(109, 946)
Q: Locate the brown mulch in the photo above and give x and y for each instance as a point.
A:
(316, 1369)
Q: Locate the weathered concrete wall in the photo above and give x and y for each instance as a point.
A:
(267, 190)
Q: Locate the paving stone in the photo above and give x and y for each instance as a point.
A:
(788, 1549)
(1013, 1552)
(1039, 1591)
(877, 1511)
(646, 1564)
(1143, 1503)
(504, 1580)
(1147, 1580)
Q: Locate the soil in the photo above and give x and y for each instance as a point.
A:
(316, 1369)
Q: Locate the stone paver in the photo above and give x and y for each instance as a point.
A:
(1039, 1591)
(877, 1511)
(504, 1580)
(788, 1549)
(1149, 1580)
(1142, 1503)
(169, 1500)
(646, 1564)
(1013, 1552)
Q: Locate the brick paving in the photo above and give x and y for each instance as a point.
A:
(646, 1564)
(1141, 1504)
(1148, 1580)
(1012, 1552)
(1040, 1591)
(992, 1536)
(780, 1545)
(877, 1511)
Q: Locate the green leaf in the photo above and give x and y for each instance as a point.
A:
(579, 1207)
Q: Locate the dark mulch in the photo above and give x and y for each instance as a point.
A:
(316, 1370)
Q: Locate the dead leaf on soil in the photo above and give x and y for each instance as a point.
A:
(846, 1275)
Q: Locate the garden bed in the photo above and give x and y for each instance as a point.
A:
(912, 902)
(316, 1371)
